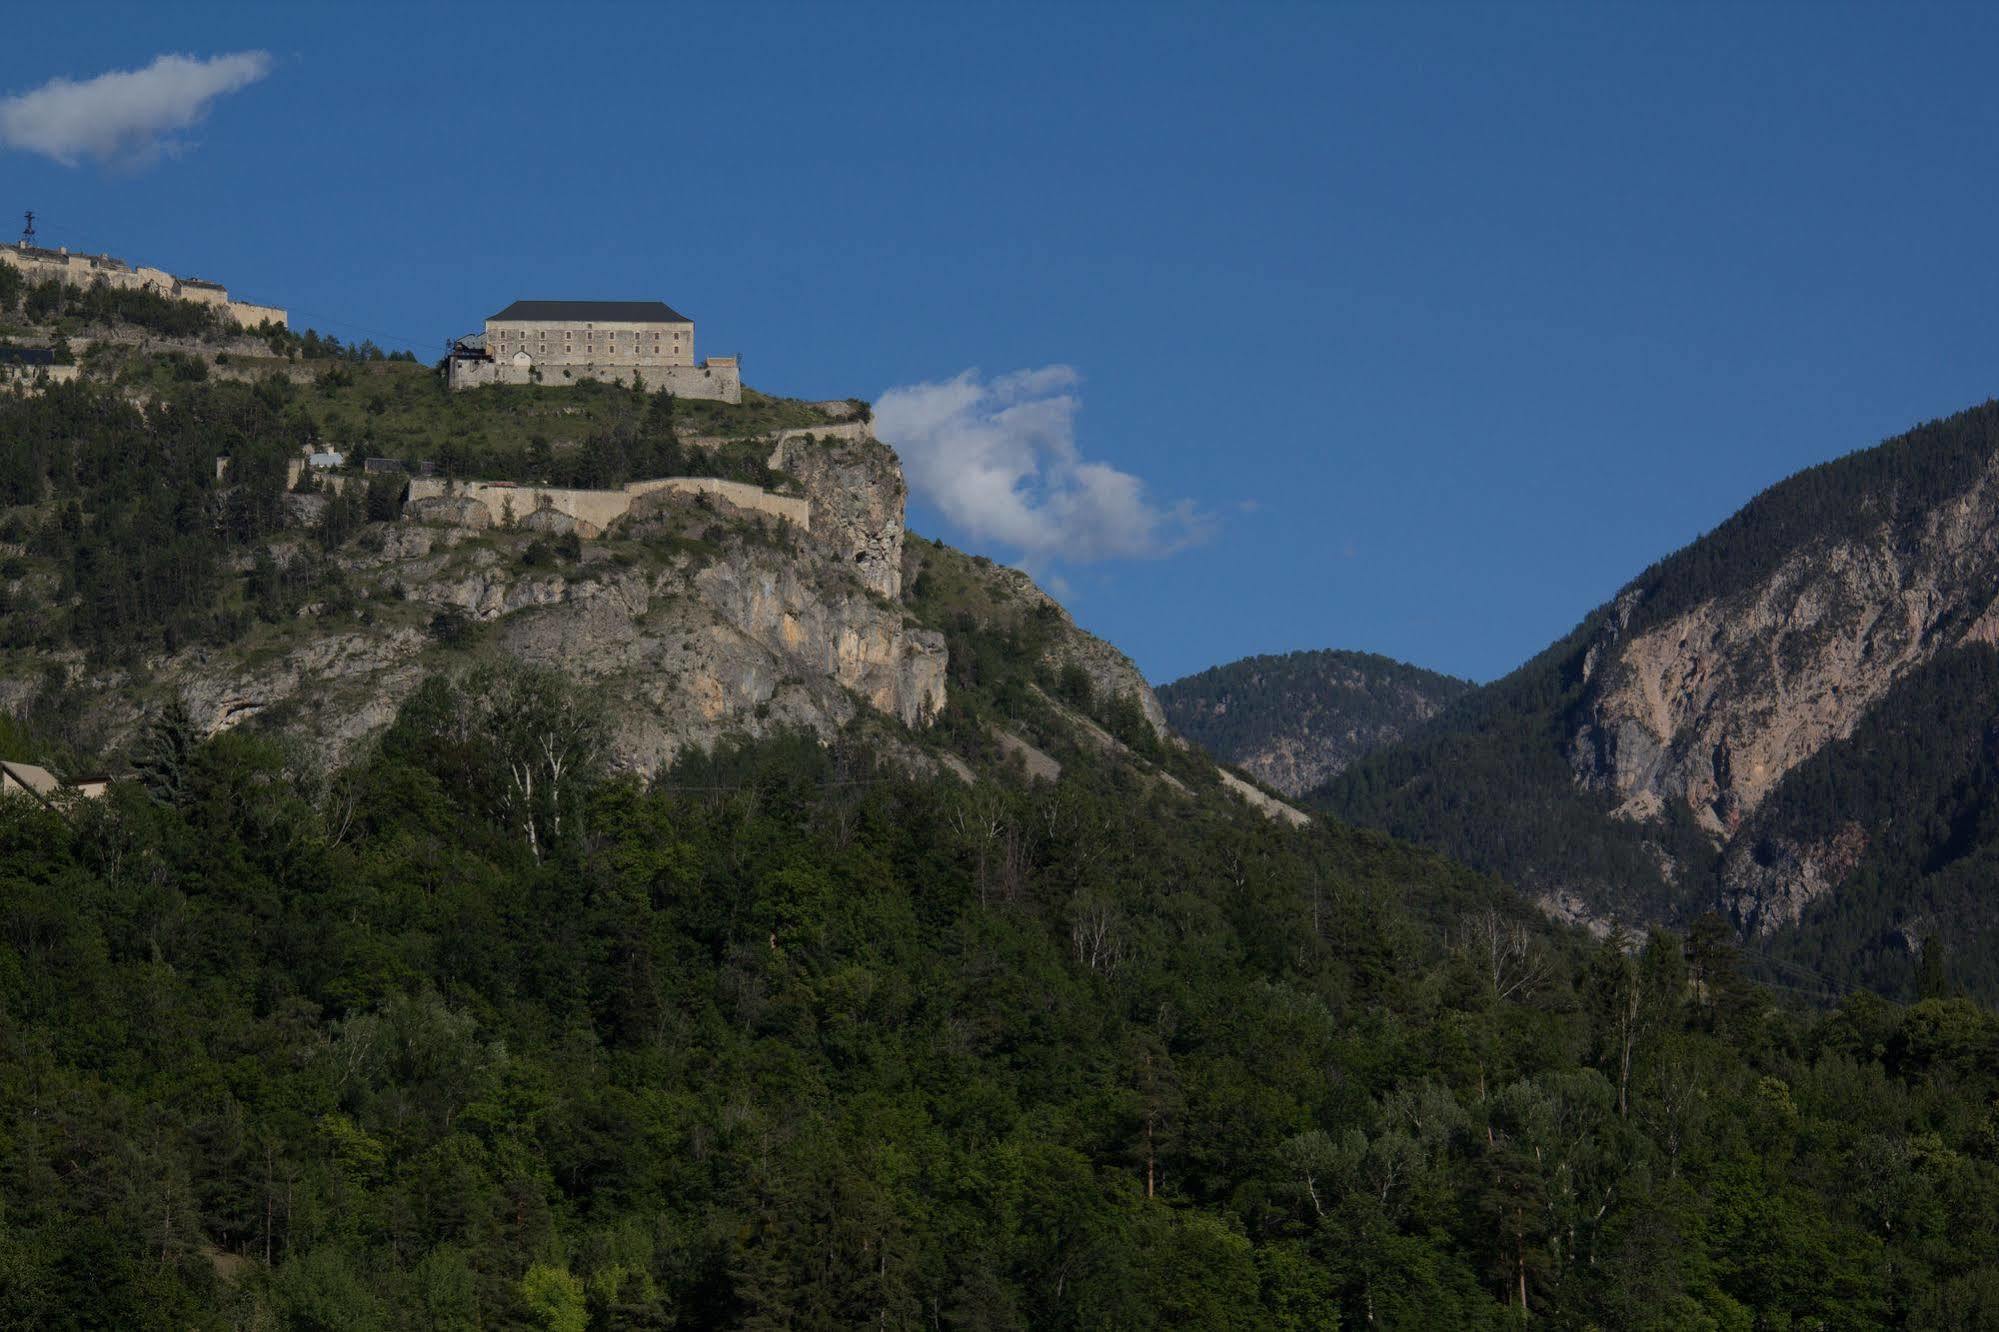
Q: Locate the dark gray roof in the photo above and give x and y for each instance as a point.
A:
(608, 312)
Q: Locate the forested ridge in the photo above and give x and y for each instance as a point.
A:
(1914, 791)
(790, 1039)
(1296, 718)
(1489, 781)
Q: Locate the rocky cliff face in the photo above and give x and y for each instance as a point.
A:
(858, 498)
(691, 619)
(1714, 706)
(1787, 721)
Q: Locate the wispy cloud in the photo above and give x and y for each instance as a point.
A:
(998, 457)
(127, 117)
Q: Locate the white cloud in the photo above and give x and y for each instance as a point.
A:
(999, 459)
(127, 117)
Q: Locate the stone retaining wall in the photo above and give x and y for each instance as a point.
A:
(718, 380)
(847, 430)
(595, 510)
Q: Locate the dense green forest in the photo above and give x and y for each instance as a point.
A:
(1918, 781)
(474, 1035)
(1320, 709)
(475, 1032)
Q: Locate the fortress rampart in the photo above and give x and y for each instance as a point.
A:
(84, 270)
(717, 379)
(594, 510)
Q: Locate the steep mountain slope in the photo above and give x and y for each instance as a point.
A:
(163, 546)
(1296, 720)
(1625, 772)
(734, 921)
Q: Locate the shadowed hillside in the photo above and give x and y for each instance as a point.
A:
(1740, 727)
(1295, 720)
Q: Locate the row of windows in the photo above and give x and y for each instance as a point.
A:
(504, 347)
(522, 334)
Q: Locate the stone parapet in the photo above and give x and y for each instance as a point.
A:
(592, 510)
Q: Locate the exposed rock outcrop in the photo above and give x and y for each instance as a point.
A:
(858, 501)
(1712, 707)
(692, 618)
(1268, 804)
(1769, 885)
(455, 510)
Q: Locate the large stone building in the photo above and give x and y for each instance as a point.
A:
(84, 270)
(559, 342)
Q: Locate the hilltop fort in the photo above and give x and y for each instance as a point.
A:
(85, 270)
(553, 343)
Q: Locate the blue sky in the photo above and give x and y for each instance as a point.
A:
(1417, 329)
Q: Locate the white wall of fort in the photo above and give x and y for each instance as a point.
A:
(83, 270)
(571, 342)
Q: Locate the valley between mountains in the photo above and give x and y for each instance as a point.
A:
(1789, 723)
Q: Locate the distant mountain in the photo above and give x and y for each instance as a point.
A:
(1794, 721)
(1296, 720)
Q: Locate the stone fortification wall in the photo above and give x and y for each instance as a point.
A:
(845, 430)
(212, 294)
(83, 270)
(249, 314)
(592, 511)
(32, 377)
(719, 380)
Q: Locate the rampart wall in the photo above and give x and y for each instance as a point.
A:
(596, 510)
(717, 380)
(249, 314)
(83, 270)
(850, 430)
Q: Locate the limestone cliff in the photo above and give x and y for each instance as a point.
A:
(692, 613)
(690, 617)
(1714, 705)
(1708, 709)
(1714, 737)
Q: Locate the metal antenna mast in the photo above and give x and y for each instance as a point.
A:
(28, 232)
